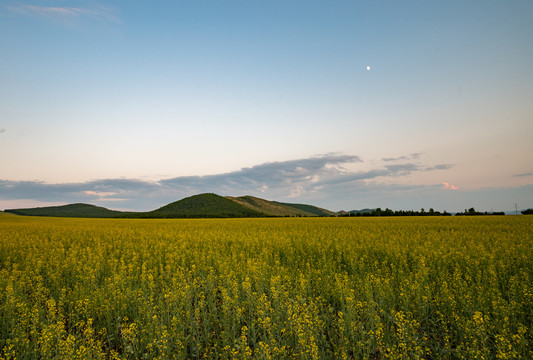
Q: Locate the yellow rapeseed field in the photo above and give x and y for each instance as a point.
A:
(283, 288)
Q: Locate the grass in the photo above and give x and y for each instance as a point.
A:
(298, 288)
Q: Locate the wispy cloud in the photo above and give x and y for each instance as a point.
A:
(104, 196)
(66, 15)
(310, 179)
(524, 174)
(100, 193)
(2, 131)
(412, 156)
(395, 158)
(439, 167)
(272, 175)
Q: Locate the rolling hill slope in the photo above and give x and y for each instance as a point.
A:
(316, 211)
(270, 208)
(197, 206)
(203, 206)
(71, 210)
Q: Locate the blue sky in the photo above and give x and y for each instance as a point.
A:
(132, 105)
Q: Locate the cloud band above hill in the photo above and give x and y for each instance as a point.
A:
(325, 181)
(306, 179)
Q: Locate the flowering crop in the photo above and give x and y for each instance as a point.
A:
(283, 288)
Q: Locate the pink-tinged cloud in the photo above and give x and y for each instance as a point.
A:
(110, 199)
(449, 186)
(100, 194)
(103, 196)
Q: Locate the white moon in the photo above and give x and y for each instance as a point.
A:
(368, 68)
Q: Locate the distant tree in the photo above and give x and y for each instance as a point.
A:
(527, 212)
(473, 211)
(387, 212)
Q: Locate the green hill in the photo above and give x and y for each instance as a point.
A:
(316, 211)
(270, 208)
(203, 206)
(197, 206)
(71, 210)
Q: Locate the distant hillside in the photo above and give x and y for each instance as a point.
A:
(270, 208)
(203, 206)
(71, 210)
(316, 211)
(197, 206)
(362, 211)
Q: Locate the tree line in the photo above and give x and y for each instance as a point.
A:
(422, 212)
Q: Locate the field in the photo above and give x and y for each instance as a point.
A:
(285, 288)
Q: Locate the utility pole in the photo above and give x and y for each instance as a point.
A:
(516, 208)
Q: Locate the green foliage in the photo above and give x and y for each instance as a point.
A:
(473, 212)
(203, 206)
(309, 288)
(388, 212)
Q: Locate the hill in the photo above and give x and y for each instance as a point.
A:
(362, 211)
(270, 208)
(197, 206)
(203, 206)
(71, 210)
(315, 211)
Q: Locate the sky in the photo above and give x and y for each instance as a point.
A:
(339, 104)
